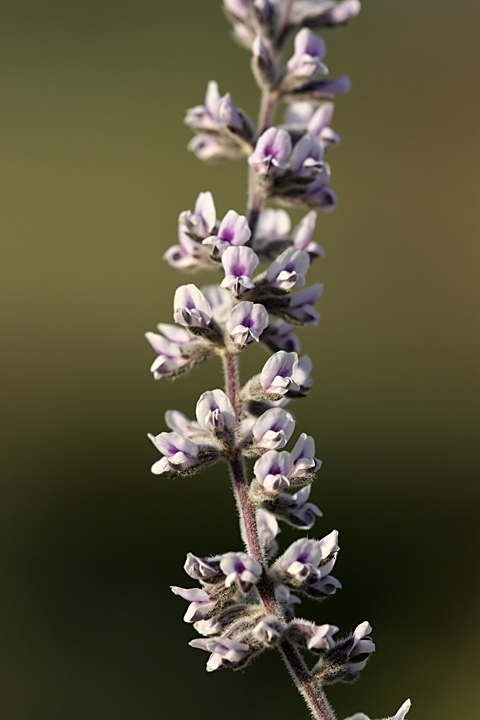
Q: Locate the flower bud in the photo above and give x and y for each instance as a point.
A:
(263, 65)
(269, 631)
(347, 658)
(317, 638)
(225, 652)
(200, 569)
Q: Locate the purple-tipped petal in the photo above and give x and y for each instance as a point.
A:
(233, 231)
(215, 412)
(288, 270)
(272, 470)
(246, 322)
(191, 308)
(180, 453)
(305, 463)
(307, 58)
(271, 152)
(239, 264)
(273, 429)
(277, 375)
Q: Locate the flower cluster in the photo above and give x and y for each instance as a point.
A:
(244, 601)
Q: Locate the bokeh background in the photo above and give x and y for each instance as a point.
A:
(94, 173)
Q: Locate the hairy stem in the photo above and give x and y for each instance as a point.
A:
(306, 685)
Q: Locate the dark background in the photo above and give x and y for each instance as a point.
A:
(94, 175)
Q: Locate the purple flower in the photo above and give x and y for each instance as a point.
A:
(239, 264)
(215, 412)
(309, 52)
(271, 152)
(180, 453)
(268, 631)
(191, 308)
(273, 429)
(280, 337)
(217, 624)
(188, 255)
(233, 231)
(305, 464)
(246, 322)
(220, 301)
(169, 357)
(307, 157)
(200, 569)
(322, 637)
(225, 652)
(289, 270)
(277, 374)
(200, 603)
(301, 561)
(216, 114)
(241, 569)
(314, 637)
(301, 305)
(210, 148)
(302, 236)
(360, 645)
(202, 221)
(305, 511)
(180, 424)
(273, 224)
(272, 470)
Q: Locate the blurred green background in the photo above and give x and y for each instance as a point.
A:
(94, 174)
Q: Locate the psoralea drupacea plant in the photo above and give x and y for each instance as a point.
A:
(245, 600)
